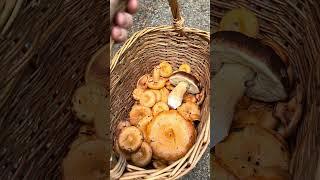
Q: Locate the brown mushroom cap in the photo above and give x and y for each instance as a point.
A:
(137, 113)
(87, 100)
(181, 76)
(130, 139)
(271, 80)
(170, 135)
(87, 161)
(143, 156)
(248, 151)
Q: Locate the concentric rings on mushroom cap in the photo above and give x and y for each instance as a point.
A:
(271, 81)
(170, 135)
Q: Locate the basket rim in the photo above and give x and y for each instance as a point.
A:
(164, 28)
(184, 165)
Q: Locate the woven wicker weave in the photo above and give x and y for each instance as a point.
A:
(43, 56)
(295, 25)
(138, 56)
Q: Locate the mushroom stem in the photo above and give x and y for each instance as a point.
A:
(156, 74)
(229, 87)
(176, 95)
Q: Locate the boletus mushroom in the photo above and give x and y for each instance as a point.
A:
(184, 82)
(247, 67)
(170, 135)
(87, 161)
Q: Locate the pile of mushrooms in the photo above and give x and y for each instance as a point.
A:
(254, 98)
(160, 128)
(86, 158)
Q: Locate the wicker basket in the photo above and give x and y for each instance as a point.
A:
(44, 49)
(294, 24)
(138, 56)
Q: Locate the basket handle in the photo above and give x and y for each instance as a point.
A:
(178, 21)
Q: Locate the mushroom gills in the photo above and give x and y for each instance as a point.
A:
(229, 87)
(266, 86)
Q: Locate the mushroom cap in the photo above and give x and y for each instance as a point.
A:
(170, 135)
(137, 113)
(143, 156)
(97, 69)
(190, 111)
(87, 100)
(181, 76)
(130, 139)
(87, 161)
(271, 81)
(248, 151)
(221, 171)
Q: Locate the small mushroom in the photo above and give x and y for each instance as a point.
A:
(156, 82)
(148, 98)
(248, 68)
(130, 139)
(137, 93)
(185, 68)
(170, 136)
(240, 20)
(165, 69)
(290, 113)
(87, 161)
(189, 98)
(143, 156)
(143, 123)
(190, 111)
(164, 95)
(184, 82)
(86, 101)
(137, 113)
(119, 152)
(159, 107)
(142, 82)
(157, 93)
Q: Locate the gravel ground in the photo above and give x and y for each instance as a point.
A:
(196, 14)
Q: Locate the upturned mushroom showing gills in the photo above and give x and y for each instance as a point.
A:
(184, 82)
(245, 67)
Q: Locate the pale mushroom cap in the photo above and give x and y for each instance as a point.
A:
(181, 76)
(271, 81)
